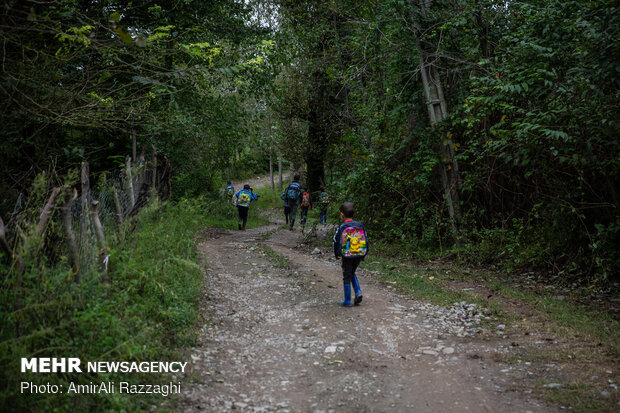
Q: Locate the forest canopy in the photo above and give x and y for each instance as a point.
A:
(482, 127)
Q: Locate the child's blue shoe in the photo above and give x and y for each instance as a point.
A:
(347, 296)
(358, 291)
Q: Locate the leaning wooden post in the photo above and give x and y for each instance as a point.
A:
(117, 205)
(74, 257)
(84, 217)
(103, 252)
(47, 212)
(129, 182)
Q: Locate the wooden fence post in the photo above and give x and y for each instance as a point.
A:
(117, 205)
(103, 252)
(84, 217)
(129, 182)
(74, 258)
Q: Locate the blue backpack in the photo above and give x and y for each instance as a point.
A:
(293, 190)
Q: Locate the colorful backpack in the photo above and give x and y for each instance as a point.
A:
(230, 190)
(324, 198)
(305, 200)
(353, 242)
(293, 190)
(244, 199)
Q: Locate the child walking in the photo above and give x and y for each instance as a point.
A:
(293, 198)
(323, 205)
(229, 192)
(306, 204)
(287, 208)
(350, 245)
(244, 199)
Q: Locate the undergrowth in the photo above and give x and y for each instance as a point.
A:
(146, 313)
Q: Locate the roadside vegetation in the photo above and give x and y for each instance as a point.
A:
(146, 313)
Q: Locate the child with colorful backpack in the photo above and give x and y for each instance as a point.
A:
(229, 192)
(350, 245)
(305, 205)
(323, 205)
(244, 199)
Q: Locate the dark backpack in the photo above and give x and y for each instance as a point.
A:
(293, 190)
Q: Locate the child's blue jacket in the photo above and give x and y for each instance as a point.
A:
(338, 236)
(253, 196)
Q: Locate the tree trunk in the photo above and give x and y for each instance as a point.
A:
(154, 170)
(280, 170)
(134, 145)
(271, 168)
(438, 111)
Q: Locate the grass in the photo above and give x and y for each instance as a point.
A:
(413, 281)
(279, 260)
(146, 313)
(585, 341)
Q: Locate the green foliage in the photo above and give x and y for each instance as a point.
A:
(83, 79)
(146, 313)
(531, 89)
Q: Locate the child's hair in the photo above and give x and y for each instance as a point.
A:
(322, 189)
(296, 177)
(246, 186)
(228, 183)
(347, 209)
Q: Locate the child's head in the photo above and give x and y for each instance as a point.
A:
(322, 189)
(228, 183)
(296, 177)
(347, 210)
(246, 186)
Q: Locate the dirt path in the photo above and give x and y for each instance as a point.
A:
(279, 341)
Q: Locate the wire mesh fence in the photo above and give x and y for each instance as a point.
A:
(84, 218)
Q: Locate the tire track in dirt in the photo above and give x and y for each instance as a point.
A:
(279, 341)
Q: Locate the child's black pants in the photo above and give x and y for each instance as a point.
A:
(349, 265)
(243, 214)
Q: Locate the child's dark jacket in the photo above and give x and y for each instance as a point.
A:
(338, 236)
